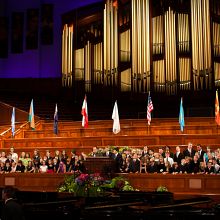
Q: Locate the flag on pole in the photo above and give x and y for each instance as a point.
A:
(115, 117)
(150, 108)
(31, 115)
(13, 122)
(55, 122)
(217, 116)
(181, 116)
(84, 112)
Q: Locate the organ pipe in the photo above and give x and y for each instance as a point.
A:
(88, 66)
(98, 63)
(110, 43)
(201, 44)
(140, 45)
(67, 55)
(170, 52)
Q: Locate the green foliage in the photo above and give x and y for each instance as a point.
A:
(69, 185)
(120, 184)
(93, 185)
(161, 189)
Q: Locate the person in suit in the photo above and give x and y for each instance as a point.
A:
(189, 152)
(12, 210)
(145, 151)
(209, 169)
(134, 164)
(118, 160)
(200, 152)
(178, 156)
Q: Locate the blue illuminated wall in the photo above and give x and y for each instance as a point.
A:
(44, 62)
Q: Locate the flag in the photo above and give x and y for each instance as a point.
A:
(84, 112)
(181, 116)
(55, 122)
(150, 108)
(13, 122)
(31, 115)
(217, 116)
(115, 117)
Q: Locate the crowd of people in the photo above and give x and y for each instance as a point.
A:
(128, 160)
(59, 162)
(190, 160)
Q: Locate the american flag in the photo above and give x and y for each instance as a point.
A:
(150, 108)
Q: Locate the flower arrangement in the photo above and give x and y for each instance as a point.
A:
(99, 153)
(93, 185)
(119, 184)
(83, 185)
(161, 189)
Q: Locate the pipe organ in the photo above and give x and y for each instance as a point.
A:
(201, 44)
(67, 55)
(183, 47)
(110, 43)
(216, 40)
(142, 45)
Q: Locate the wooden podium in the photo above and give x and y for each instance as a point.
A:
(102, 165)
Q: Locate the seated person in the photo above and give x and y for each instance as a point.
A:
(152, 167)
(195, 164)
(175, 168)
(69, 164)
(20, 167)
(62, 166)
(50, 168)
(209, 169)
(7, 168)
(43, 167)
(30, 167)
(161, 166)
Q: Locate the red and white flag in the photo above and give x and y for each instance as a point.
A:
(217, 116)
(84, 112)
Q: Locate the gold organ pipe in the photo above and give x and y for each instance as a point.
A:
(68, 51)
(140, 44)
(166, 44)
(201, 46)
(153, 35)
(140, 26)
(105, 41)
(143, 34)
(111, 42)
(66, 43)
(116, 43)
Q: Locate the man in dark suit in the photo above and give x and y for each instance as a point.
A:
(178, 156)
(134, 166)
(200, 152)
(12, 210)
(189, 152)
(118, 160)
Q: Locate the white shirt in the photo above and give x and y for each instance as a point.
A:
(14, 157)
(169, 159)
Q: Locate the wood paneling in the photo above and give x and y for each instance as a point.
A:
(180, 183)
(115, 140)
(133, 133)
(177, 184)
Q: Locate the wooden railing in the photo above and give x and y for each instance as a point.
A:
(178, 184)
